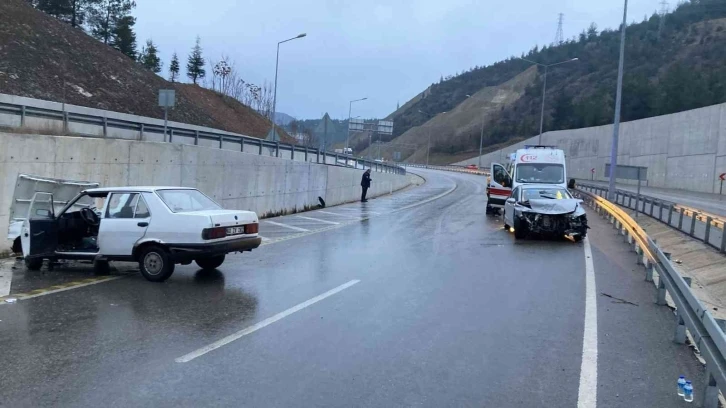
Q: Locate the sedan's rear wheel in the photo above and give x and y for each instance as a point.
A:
(33, 264)
(210, 263)
(155, 263)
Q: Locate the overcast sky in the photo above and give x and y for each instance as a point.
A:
(387, 51)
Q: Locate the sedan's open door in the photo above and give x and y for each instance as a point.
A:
(39, 234)
(499, 188)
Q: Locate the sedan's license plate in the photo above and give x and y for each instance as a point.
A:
(235, 230)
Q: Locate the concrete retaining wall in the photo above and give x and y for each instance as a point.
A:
(236, 180)
(685, 150)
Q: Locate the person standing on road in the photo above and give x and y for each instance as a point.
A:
(365, 183)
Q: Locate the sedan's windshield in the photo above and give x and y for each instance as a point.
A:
(547, 193)
(545, 173)
(187, 200)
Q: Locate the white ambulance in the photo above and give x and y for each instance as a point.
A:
(531, 165)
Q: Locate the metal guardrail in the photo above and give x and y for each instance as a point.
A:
(706, 331)
(458, 169)
(698, 224)
(258, 145)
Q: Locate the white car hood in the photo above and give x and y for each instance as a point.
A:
(554, 207)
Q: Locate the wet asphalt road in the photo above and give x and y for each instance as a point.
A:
(442, 308)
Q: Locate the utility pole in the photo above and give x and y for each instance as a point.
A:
(559, 37)
(618, 103)
(481, 137)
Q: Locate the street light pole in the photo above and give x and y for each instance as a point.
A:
(274, 97)
(618, 102)
(541, 115)
(481, 137)
(350, 112)
(544, 91)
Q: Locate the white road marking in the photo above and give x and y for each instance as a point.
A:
(319, 220)
(587, 396)
(292, 227)
(359, 210)
(251, 329)
(6, 279)
(50, 292)
(332, 213)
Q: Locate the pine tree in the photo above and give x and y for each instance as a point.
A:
(105, 15)
(174, 68)
(195, 63)
(72, 12)
(149, 57)
(123, 37)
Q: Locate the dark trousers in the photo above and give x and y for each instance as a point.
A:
(363, 194)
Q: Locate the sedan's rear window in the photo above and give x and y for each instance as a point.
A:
(187, 200)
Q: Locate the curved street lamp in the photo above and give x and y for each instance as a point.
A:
(274, 98)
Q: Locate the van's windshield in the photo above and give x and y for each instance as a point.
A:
(544, 173)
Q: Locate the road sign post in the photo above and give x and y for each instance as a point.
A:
(592, 173)
(167, 98)
(721, 177)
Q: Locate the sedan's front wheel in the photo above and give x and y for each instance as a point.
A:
(210, 263)
(520, 229)
(155, 263)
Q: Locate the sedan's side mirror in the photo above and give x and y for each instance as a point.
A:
(511, 200)
(571, 184)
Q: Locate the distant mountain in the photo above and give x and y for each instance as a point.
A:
(283, 119)
(676, 66)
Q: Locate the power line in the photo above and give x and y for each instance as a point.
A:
(559, 37)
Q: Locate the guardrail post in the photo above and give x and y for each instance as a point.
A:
(709, 220)
(694, 217)
(679, 336)
(196, 138)
(630, 200)
(171, 134)
(241, 144)
(105, 124)
(141, 132)
(260, 145)
(652, 204)
(649, 272)
(660, 210)
(221, 140)
(317, 154)
(661, 300)
(723, 238)
(306, 153)
(670, 214)
(710, 393)
(639, 252)
(336, 159)
(292, 152)
(22, 116)
(65, 124)
(680, 219)
(277, 149)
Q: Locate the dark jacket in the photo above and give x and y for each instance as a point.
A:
(366, 180)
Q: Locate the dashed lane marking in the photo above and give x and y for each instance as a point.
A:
(6, 278)
(57, 288)
(292, 227)
(338, 214)
(257, 326)
(319, 220)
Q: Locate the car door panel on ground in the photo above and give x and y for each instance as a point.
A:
(125, 221)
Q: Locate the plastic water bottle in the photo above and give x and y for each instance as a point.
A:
(688, 392)
(681, 384)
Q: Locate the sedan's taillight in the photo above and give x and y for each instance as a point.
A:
(252, 228)
(214, 233)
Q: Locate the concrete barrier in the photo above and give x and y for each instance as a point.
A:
(685, 150)
(266, 185)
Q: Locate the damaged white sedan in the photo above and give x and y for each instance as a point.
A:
(545, 209)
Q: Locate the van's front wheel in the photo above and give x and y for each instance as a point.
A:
(155, 263)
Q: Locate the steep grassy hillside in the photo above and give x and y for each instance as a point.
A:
(39, 54)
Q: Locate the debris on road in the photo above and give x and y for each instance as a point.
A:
(618, 300)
